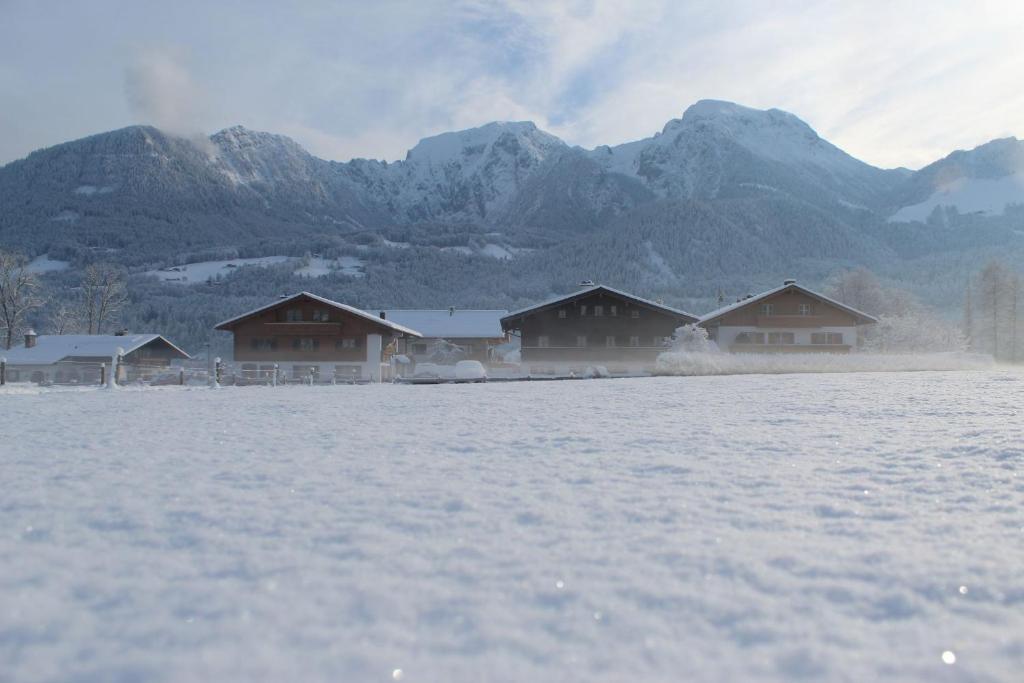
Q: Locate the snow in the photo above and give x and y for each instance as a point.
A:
(43, 264)
(320, 267)
(714, 362)
(200, 272)
(456, 324)
(849, 527)
(969, 195)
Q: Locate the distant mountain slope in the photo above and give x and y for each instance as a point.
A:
(723, 150)
(983, 180)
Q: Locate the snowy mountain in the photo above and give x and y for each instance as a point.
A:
(984, 180)
(724, 150)
(724, 197)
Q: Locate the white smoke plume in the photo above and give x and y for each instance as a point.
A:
(162, 93)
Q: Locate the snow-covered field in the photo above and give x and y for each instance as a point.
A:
(844, 527)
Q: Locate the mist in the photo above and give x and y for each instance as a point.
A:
(161, 92)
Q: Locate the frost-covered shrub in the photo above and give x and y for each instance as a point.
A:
(692, 339)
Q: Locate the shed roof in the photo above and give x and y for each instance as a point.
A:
(550, 303)
(451, 323)
(394, 327)
(862, 318)
(51, 348)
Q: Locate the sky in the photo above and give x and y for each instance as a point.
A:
(897, 83)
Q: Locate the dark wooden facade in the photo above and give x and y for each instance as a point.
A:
(596, 325)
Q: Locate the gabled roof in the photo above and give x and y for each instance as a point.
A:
(51, 348)
(862, 318)
(451, 324)
(394, 327)
(551, 303)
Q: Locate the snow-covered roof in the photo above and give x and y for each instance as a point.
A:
(51, 348)
(451, 324)
(335, 304)
(863, 317)
(594, 288)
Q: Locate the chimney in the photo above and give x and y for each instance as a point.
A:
(121, 333)
(789, 282)
(383, 315)
(586, 283)
(30, 338)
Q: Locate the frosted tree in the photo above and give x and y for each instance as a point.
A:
(995, 311)
(19, 294)
(104, 294)
(904, 325)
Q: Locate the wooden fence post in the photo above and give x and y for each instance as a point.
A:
(217, 369)
(181, 377)
(103, 374)
(3, 371)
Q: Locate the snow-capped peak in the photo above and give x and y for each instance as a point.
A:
(473, 143)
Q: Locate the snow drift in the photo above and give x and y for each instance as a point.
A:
(711, 363)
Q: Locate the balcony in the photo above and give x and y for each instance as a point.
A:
(783, 321)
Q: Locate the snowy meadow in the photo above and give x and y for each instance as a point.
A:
(824, 527)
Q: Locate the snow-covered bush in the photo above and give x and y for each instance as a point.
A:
(692, 339)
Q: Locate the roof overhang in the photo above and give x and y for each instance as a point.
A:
(393, 328)
(513, 320)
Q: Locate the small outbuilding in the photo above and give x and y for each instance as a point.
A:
(76, 358)
(449, 335)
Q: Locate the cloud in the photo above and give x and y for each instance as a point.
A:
(893, 83)
(161, 92)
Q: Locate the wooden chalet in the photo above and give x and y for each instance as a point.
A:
(787, 319)
(309, 337)
(596, 325)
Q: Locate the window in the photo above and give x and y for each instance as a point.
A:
(749, 338)
(321, 316)
(306, 372)
(598, 311)
(634, 340)
(418, 348)
(543, 341)
(561, 312)
(583, 309)
(767, 309)
(613, 311)
(826, 337)
(609, 341)
(781, 338)
(293, 315)
(262, 344)
(805, 309)
(634, 313)
(305, 344)
(353, 343)
(581, 340)
(658, 341)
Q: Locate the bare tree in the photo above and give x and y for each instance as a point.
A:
(104, 294)
(19, 294)
(66, 317)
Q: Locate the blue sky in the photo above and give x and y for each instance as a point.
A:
(894, 83)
